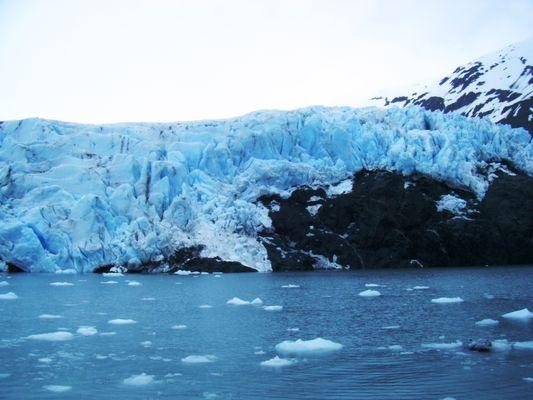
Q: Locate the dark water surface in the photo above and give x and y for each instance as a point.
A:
(326, 305)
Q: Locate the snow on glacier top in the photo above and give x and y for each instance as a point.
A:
(78, 196)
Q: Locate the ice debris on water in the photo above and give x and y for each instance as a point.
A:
(307, 347)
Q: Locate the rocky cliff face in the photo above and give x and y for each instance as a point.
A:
(389, 220)
(498, 86)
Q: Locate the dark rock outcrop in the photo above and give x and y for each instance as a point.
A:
(389, 220)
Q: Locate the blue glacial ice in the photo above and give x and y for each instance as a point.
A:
(76, 197)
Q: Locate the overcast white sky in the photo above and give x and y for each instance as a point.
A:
(154, 60)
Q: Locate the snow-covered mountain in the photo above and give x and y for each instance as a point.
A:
(82, 197)
(498, 86)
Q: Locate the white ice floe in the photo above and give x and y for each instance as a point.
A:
(61, 284)
(148, 299)
(87, 330)
(59, 336)
(278, 362)
(139, 380)
(182, 272)
(237, 302)
(447, 300)
(487, 322)
(524, 314)
(372, 285)
(290, 286)
(146, 343)
(108, 333)
(307, 347)
(8, 296)
(420, 287)
(293, 329)
(443, 346)
(370, 293)
(109, 282)
(259, 352)
(199, 359)
(273, 308)
(134, 283)
(256, 302)
(523, 345)
(528, 379)
(4, 283)
(57, 388)
(501, 345)
(112, 274)
(179, 327)
(390, 327)
(205, 306)
(120, 321)
(395, 347)
(45, 360)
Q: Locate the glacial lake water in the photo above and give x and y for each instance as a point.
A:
(228, 343)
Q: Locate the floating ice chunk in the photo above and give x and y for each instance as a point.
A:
(139, 380)
(395, 347)
(290, 286)
(179, 327)
(443, 346)
(59, 336)
(199, 359)
(61, 284)
(45, 360)
(523, 345)
(277, 362)
(528, 379)
(389, 327)
(501, 345)
(524, 314)
(146, 343)
(237, 302)
(112, 274)
(293, 329)
(108, 333)
(259, 352)
(87, 330)
(4, 283)
(372, 285)
(447, 300)
(148, 299)
(216, 276)
(182, 272)
(4, 375)
(420, 287)
(307, 347)
(487, 322)
(370, 293)
(488, 296)
(205, 306)
(120, 321)
(134, 283)
(109, 282)
(8, 296)
(273, 308)
(57, 388)
(256, 302)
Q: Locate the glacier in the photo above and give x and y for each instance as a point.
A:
(77, 197)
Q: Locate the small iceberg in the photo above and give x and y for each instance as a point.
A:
(87, 330)
(237, 302)
(501, 345)
(523, 345)
(447, 300)
(372, 285)
(61, 284)
(290, 286)
(205, 306)
(443, 346)
(198, 359)
(4, 283)
(59, 336)
(256, 302)
(487, 322)
(277, 362)
(524, 315)
(134, 283)
(370, 293)
(395, 347)
(307, 347)
(139, 380)
(182, 272)
(8, 296)
(57, 388)
(420, 287)
(273, 308)
(179, 327)
(110, 274)
(109, 282)
(120, 321)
